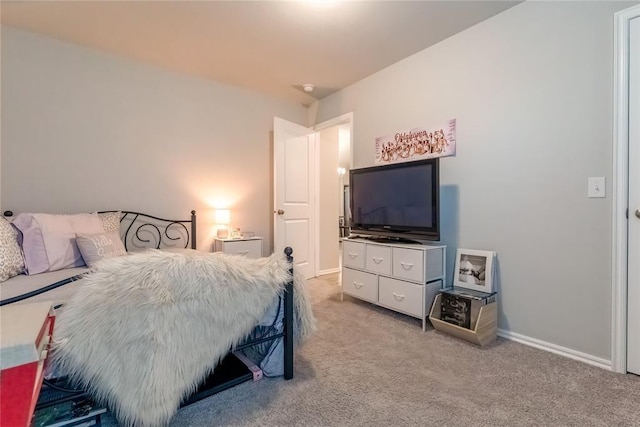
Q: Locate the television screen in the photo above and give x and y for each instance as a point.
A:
(398, 198)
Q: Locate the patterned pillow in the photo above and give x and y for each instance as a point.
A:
(96, 247)
(11, 261)
(110, 220)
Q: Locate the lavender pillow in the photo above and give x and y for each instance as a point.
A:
(48, 241)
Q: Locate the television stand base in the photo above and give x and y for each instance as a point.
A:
(388, 239)
(397, 276)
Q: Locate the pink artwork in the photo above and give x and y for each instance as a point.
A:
(417, 144)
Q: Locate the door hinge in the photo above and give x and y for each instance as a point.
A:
(627, 213)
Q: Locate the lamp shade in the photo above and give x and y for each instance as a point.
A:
(223, 216)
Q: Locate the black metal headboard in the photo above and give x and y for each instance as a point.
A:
(143, 231)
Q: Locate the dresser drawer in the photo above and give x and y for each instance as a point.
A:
(360, 284)
(352, 254)
(401, 296)
(408, 264)
(378, 259)
(435, 263)
(248, 248)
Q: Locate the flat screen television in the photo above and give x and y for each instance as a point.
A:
(398, 201)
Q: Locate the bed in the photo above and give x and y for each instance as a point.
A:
(270, 340)
(138, 231)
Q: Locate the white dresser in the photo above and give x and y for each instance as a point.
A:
(250, 247)
(403, 277)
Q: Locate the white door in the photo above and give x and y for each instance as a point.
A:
(294, 188)
(633, 262)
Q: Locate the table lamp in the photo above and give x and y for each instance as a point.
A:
(222, 218)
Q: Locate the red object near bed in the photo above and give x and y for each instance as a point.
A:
(26, 334)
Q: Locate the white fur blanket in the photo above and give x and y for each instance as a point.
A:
(146, 329)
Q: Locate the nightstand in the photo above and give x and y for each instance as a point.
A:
(24, 344)
(250, 247)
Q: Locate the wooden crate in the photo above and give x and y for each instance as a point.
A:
(484, 332)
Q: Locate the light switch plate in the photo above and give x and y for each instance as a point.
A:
(596, 187)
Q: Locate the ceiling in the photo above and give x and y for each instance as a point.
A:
(273, 47)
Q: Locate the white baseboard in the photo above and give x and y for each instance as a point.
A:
(556, 349)
(330, 271)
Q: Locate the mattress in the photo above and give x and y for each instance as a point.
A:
(24, 285)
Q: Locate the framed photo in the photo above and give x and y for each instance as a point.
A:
(474, 270)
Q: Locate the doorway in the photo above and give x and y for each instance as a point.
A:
(306, 196)
(334, 162)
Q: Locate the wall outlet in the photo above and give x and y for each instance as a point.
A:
(596, 187)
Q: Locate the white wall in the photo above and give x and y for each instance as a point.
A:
(84, 130)
(328, 202)
(531, 89)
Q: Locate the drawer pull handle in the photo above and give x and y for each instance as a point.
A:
(358, 285)
(377, 260)
(406, 265)
(398, 297)
(352, 255)
(243, 252)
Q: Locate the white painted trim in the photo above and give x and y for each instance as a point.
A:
(329, 271)
(620, 190)
(316, 198)
(344, 119)
(336, 121)
(556, 349)
(314, 212)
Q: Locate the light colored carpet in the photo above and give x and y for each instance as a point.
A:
(367, 366)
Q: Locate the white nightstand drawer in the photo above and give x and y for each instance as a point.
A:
(378, 259)
(360, 284)
(250, 248)
(352, 254)
(408, 264)
(401, 296)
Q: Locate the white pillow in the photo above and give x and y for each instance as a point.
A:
(96, 247)
(11, 261)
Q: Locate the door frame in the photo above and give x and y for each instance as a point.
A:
(344, 119)
(619, 266)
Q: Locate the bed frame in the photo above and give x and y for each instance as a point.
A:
(147, 231)
(141, 231)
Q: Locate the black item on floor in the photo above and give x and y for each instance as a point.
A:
(79, 411)
(229, 373)
(456, 309)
